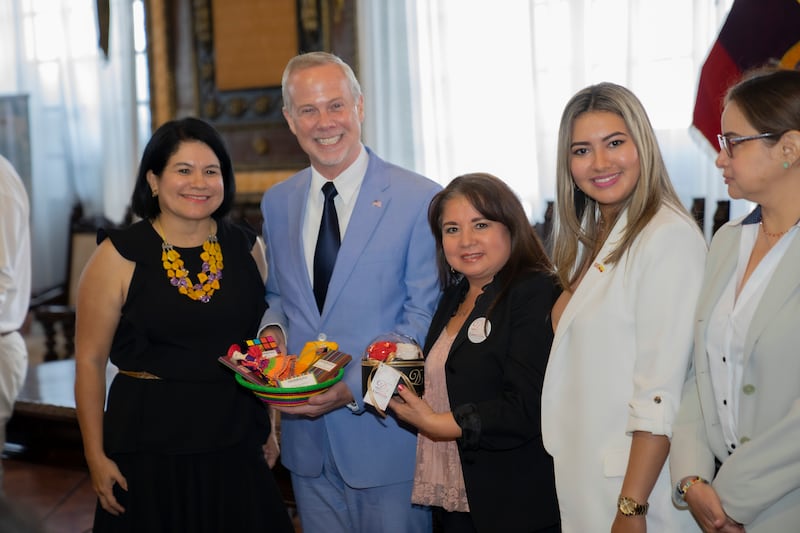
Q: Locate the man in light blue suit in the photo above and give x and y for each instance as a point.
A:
(352, 471)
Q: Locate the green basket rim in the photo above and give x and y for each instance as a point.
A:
(289, 390)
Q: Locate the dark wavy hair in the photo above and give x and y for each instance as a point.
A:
(495, 200)
(162, 145)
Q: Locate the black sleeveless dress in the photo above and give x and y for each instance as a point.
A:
(189, 444)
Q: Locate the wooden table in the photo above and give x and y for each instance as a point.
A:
(44, 416)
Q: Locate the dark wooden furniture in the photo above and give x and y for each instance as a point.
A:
(55, 308)
(722, 214)
(193, 73)
(545, 227)
(44, 420)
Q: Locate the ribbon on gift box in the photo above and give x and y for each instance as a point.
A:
(416, 374)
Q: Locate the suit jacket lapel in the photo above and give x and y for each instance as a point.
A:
(719, 272)
(461, 334)
(298, 200)
(591, 282)
(781, 287)
(448, 306)
(481, 306)
(371, 204)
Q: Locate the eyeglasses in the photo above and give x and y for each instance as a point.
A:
(727, 143)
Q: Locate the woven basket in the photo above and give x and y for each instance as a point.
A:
(288, 396)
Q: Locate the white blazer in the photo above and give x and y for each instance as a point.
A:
(617, 365)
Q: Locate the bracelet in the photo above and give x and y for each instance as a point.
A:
(683, 487)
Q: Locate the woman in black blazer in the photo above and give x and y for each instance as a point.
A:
(481, 464)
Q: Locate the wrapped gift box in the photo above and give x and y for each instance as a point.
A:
(399, 352)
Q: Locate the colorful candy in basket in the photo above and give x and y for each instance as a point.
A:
(286, 379)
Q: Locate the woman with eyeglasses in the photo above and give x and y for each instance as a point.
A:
(735, 457)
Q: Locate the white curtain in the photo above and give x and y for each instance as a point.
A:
(489, 81)
(82, 110)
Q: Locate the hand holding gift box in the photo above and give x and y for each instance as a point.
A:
(390, 359)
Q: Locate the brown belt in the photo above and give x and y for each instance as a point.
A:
(138, 375)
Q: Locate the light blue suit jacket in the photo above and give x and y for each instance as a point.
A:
(384, 280)
(759, 484)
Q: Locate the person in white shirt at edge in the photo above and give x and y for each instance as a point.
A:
(736, 447)
(630, 259)
(15, 290)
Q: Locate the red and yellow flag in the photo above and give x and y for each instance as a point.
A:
(756, 33)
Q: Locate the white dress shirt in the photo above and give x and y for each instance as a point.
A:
(348, 183)
(15, 249)
(729, 323)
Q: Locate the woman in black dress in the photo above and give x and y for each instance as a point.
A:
(179, 447)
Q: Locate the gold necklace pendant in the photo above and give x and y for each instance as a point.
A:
(773, 235)
(207, 279)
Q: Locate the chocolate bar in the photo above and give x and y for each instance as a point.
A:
(327, 366)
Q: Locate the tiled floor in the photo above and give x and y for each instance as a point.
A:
(55, 491)
(52, 485)
(53, 488)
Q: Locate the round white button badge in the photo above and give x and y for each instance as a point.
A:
(479, 330)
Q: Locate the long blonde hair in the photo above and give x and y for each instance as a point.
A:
(577, 218)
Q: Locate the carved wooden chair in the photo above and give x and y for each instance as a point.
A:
(56, 312)
(544, 228)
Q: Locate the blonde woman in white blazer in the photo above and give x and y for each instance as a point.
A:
(736, 454)
(630, 259)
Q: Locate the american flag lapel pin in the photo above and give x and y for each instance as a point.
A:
(377, 203)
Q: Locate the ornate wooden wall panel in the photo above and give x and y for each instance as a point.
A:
(183, 67)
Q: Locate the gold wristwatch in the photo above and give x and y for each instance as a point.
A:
(629, 507)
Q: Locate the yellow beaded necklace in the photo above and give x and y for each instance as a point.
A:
(207, 279)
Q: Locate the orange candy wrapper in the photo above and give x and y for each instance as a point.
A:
(262, 364)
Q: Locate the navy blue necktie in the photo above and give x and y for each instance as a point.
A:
(327, 245)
